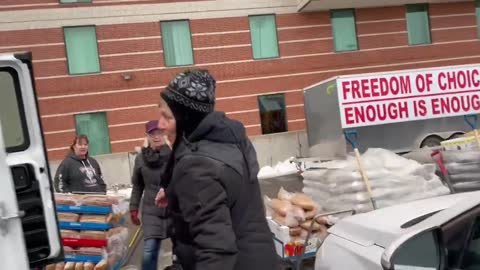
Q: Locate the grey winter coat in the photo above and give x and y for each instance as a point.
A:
(79, 175)
(149, 167)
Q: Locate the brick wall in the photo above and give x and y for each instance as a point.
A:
(222, 45)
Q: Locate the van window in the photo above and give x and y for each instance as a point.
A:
(12, 116)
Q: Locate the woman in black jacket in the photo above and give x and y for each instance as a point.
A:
(79, 172)
(149, 167)
(213, 191)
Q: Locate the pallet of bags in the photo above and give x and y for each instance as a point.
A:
(338, 184)
(461, 158)
(289, 217)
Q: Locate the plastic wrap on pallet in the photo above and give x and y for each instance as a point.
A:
(393, 179)
(92, 203)
(463, 168)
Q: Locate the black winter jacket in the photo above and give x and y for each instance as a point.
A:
(148, 169)
(215, 200)
(77, 175)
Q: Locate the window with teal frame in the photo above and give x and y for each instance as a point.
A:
(82, 50)
(263, 32)
(418, 24)
(273, 113)
(177, 43)
(95, 126)
(344, 30)
(477, 11)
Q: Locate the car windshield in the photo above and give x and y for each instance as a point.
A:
(11, 111)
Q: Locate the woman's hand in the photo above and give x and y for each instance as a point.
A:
(134, 217)
(161, 199)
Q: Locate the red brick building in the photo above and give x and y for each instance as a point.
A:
(100, 64)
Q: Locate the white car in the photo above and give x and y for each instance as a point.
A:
(438, 233)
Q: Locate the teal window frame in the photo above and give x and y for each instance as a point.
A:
(412, 25)
(107, 147)
(337, 32)
(477, 12)
(258, 55)
(69, 56)
(167, 48)
(266, 108)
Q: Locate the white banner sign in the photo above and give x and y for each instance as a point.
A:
(376, 99)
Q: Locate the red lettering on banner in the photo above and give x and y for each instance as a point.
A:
(422, 107)
(461, 79)
(455, 104)
(345, 89)
(405, 85)
(365, 88)
(383, 86)
(475, 82)
(356, 89)
(435, 106)
(441, 82)
(394, 86)
(359, 115)
(444, 105)
(349, 116)
(375, 87)
(476, 102)
(452, 81)
(379, 112)
(429, 77)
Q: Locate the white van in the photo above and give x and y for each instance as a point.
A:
(29, 236)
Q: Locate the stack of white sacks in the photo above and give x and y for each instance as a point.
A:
(338, 185)
(463, 167)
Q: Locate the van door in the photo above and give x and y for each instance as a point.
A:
(29, 235)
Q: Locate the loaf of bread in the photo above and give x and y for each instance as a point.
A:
(285, 220)
(90, 251)
(79, 266)
(68, 250)
(70, 266)
(60, 266)
(68, 217)
(304, 201)
(100, 200)
(93, 218)
(69, 234)
(63, 199)
(309, 214)
(88, 266)
(295, 231)
(323, 220)
(102, 265)
(99, 235)
(281, 207)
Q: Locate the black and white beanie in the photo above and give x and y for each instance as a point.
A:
(194, 89)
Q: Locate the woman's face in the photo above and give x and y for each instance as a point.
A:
(155, 138)
(81, 147)
(166, 122)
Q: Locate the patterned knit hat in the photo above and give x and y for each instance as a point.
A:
(194, 89)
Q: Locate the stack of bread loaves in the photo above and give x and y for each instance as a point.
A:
(92, 232)
(296, 211)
